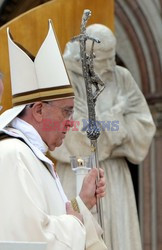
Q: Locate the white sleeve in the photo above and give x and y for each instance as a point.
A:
(93, 230)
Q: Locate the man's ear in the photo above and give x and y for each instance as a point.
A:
(37, 111)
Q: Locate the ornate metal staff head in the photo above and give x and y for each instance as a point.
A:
(89, 75)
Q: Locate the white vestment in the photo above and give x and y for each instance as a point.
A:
(32, 201)
(127, 131)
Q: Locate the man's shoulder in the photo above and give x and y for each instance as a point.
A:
(13, 149)
(12, 144)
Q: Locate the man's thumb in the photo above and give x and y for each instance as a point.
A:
(69, 208)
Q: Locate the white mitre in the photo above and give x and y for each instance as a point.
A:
(45, 78)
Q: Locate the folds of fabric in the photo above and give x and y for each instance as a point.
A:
(31, 207)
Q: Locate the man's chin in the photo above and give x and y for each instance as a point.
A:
(52, 148)
(59, 143)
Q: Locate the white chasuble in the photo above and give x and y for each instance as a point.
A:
(32, 201)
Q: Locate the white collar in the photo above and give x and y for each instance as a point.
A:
(30, 133)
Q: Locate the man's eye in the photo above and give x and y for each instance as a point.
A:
(68, 111)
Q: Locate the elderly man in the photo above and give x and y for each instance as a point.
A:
(34, 206)
(127, 130)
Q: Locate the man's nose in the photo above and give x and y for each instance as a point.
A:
(71, 120)
(69, 123)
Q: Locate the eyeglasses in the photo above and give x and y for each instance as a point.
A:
(66, 111)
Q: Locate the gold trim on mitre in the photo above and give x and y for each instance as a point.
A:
(43, 94)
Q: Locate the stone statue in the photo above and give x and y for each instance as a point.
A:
(127, 130)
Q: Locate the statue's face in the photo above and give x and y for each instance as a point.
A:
(105, 60)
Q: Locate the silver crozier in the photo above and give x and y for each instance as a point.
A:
(94, 86)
